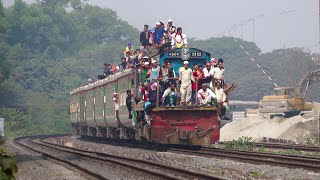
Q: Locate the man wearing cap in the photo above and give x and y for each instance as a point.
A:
(129, 48)
(186, 77)
(213, 63)
(169, 28)
(158, 33)
(144, 36)
(143, 73)
(154, 71)
(205, 95)
(115, 98)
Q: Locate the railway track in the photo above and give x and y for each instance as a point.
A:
(286, 146)
(292, 161)
(94, 163)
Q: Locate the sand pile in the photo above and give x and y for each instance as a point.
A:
(294, 128)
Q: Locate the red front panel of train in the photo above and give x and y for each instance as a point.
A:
(194, 127)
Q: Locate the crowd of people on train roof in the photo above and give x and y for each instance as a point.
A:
(202, 85)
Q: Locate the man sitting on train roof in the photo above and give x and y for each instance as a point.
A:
(129, 48)
(146, 51)
(170, 95)
(186, 77)
(205, 95)
(123, 65)
(179, 39)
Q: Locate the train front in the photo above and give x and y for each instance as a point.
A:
(192, 125)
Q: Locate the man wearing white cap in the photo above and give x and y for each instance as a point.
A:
(214, 63)
(115, 98)
(154, 71)
(143, 73)
(185, 76)
(158, 33)
(205, 95)
(169, 28)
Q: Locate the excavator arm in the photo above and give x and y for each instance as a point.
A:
(301, 88)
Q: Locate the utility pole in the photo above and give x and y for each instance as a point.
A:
(284, 13)
(241, 29)
(253, 24)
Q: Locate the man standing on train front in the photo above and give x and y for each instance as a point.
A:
(185, 76)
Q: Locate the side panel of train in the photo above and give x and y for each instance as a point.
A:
(94, 108)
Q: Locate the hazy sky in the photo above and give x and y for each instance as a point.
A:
(206, 18)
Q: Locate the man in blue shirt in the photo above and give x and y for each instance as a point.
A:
(158, 33)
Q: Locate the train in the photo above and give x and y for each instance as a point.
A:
(92, 111)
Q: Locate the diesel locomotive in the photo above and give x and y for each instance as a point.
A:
(92, 112)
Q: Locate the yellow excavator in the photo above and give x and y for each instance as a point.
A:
(290, 101)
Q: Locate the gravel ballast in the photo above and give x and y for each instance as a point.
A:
(214, 166)
(34, 166)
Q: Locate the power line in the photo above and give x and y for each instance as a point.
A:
(253, 60)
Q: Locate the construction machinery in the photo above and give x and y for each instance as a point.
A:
(290, 101)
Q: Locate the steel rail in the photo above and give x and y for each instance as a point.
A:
(284, 146)
(82, 169)
(117, 159)
(311, 163)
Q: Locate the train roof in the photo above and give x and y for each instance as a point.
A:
(102, 82)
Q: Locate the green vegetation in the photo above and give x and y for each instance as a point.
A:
(256, 174)
(290, 152)
(243, 143)
(8, 167)
(53, 46)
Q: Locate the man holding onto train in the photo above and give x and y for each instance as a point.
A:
(221, 99)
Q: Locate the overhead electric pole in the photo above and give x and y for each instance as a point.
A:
(284, 13)
(253, 24)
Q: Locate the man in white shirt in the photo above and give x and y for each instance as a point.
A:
(179, 39)
(205, 95)
(185, 76)
(208, 72)
(219, 71)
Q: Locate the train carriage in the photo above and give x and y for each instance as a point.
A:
(92, 110)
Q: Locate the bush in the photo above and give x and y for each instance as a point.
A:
(244, 143)
(8, 166)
